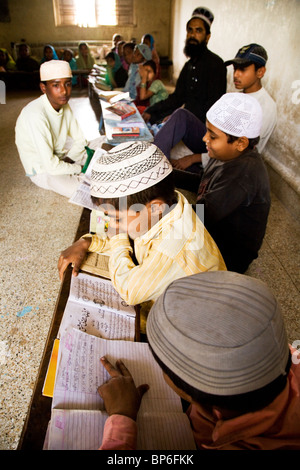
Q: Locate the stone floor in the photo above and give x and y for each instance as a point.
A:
(35, 225)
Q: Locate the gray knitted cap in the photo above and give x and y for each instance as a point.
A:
(221, 332)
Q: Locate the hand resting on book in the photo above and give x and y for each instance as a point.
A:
(74, 254)
(119, 393)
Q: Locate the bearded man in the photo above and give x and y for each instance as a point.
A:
(202, 80)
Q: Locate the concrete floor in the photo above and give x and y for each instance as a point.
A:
(35, 225)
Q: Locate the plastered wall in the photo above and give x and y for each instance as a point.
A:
(275, 24)
(33, 20)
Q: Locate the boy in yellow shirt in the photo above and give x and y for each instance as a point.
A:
(154, 236)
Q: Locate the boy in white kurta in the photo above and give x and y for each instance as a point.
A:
(43, 128)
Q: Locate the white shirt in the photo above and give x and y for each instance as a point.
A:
(41, 136)
(269, 110)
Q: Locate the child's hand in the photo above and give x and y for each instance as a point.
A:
(119, 393)
(75, 255)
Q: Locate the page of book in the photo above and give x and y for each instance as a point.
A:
(82, 197)
(96, 308)
(79, 373)
(83, 430)
(78, 416)
(96, 263)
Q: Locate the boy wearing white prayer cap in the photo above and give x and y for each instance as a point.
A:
(42, 130)
(154, 236)
(234, 188)
(221, 342)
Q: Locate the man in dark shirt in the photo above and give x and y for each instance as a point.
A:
(203, 78)
(235, 187)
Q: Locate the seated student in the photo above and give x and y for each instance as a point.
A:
(42, 129)
(7, 63)
(120, 53)
(128, 49)
(84, 59)
(141, 53)
(149, 40)
(49, 54)
(249, 69)
(68, 56)
(154, 236)
(220, 340)
(150, 90)
(115, 39)
(25, 62)
(234, 188)
(116, 75)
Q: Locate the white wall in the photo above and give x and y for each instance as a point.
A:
(275, 24)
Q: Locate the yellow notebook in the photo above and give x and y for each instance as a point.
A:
(51, 372)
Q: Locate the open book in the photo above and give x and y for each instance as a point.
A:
(96, 263)
(96, 308)
(78, 415)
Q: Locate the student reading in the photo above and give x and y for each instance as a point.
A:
(220, 340)
(154, 235)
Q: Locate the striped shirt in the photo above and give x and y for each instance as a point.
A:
(176, 246)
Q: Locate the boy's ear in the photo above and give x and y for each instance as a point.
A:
(43, 87)
(242, 143)
(260, 72)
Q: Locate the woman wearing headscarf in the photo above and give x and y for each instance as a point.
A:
(116, 75)
(149, 40)
(49, 54)
(7, 63)
(84, 60)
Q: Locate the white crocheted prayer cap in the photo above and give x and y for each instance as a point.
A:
(127, 169)
(237, 114)
(220, 332)
(54, 70)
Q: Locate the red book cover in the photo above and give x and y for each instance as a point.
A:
(121, 110)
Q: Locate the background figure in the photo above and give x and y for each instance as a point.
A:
(128, 49)
(7, 63)
(68, 56)
(115, 39)
(84, 59)
(202, 79)
(49, 54)
(25, 62)
(116, 75)
(141, 53)
(149, 40)
(120, 53)
(150, 90)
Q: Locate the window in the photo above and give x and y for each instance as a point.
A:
(92, 13)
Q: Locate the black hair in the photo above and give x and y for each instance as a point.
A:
(151, 64)
(164, 190)
(130, 45)
(110, 55)
(252, 142)
(242, 403)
